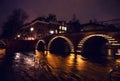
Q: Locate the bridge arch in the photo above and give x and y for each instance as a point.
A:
(108, 40)
(41, 45)
(2, 44)
(65, 39)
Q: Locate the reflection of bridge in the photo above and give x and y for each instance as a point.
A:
(84, 42)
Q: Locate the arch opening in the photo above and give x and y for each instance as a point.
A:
(60, 46)
(40, 46)
(2, 44)
(95, 46)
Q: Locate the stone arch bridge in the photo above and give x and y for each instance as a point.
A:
(86, 43)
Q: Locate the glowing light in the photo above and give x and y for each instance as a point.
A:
(77, 59)
(118, 61)
(109, 52)
(31, 38)
(56, 31)
(17, 56)
(29, 61)
(115, 44)
(31, 29)
(118, 52)
(60, 27)
(65, 28)
(2, 53)
(111, 39)
(18, 36)
(51, 32)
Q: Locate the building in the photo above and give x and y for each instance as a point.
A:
(38, 29)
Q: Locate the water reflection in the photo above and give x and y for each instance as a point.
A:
(76, 61)
(38, 66)
(28, 61)
(2, 53)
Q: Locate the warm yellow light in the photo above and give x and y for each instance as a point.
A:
(109, 51)
(29, 61)
(118, 52)
(73, 59)
(2, 53)
(31, 38)
(118, 62)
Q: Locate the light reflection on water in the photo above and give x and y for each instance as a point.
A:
(59, 66)
(2, 53)
(67, 62)
(57, 61)
(75, 61)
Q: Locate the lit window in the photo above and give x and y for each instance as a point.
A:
(60, 27)
(31, 38)
(60, 32)
(65, 28)
(56, 31)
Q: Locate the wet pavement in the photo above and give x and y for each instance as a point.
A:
(34, 66)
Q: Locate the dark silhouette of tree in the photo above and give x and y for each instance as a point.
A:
(74, 25)
(51, 17)
(41, 18)
(14, 23)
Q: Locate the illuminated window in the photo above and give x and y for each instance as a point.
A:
(56, 31)
(65, 28)
(60, 27)
(31, 38)
(60, 32)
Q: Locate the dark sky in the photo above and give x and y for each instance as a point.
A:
(64, 9)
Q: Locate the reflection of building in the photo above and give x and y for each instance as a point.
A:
(40, 28)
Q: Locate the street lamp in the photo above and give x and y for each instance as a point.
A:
(18, 35)
(31, 29)
(51, 32)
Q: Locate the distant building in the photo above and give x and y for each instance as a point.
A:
(38, 29)
(97, 27)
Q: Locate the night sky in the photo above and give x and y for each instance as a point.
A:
(63, 9)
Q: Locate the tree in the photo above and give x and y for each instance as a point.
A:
(14, 23)
(74, 24)
(51, 17)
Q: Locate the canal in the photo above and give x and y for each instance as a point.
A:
(34, 66)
